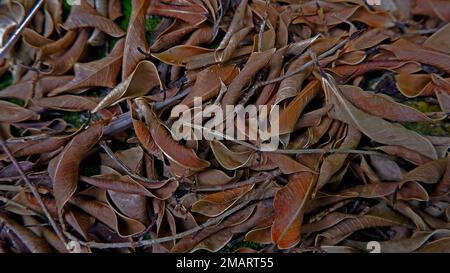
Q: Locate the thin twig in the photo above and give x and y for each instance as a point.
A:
(14, 203)
(33, 190)
(181, 235)
(125, 168)
(161, 104)
(305, 66)
(284, 151)
(422, 31)
(11, 188)
(328, 151)
(124, 121)
(28, 138)
(12, 41)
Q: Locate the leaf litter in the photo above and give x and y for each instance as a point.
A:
(88, 158)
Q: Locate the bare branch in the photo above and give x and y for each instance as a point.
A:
(12, 41)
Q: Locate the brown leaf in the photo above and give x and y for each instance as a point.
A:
(60, 63)
(190, 12)
(12, 113)
(381, 105)
(379, 216)
(420, 54)
(84, 15)
(438, 41)
(64, 169)
(215, 204)
(332, 163)
(289, 204)
(180, 55)
(375, 127)
(255, 63)
(208, 82)
(290, 114)
(34, 243)
(67, 103)
(143, 79)
(173, 150)
(229, 159)
(136, 39)
(101, 73)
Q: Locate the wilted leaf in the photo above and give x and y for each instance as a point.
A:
(143, 79)
(65, 168)
(374, 127)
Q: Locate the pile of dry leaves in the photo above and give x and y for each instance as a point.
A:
(88, 162)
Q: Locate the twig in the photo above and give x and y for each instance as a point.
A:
(14, 203)
(215, 28)
(329, 210)
(422, 31)
(124, 121)
(119, 124)
(260, 34)
(11, 42)
(125, 168)
(33, 190)
(328, 151)
(11, 188)
(161, 104)
(286, 151)
(251, 181)
(306, 65)
(27, 138)
(181, 235)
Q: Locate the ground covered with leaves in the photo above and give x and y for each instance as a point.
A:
(88, 162)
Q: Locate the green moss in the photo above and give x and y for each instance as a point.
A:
(434, 128)
(112, 41)
(151, 23)
(126, 9)
(215, 44)
(437, 128)
(93, 93)
(5, 80)
(423, 106)
(17, 131)
(89, 169)
(76, 119)
(431, 128)
(217, 40)
(16, 101)
(372, 84)
(65, 9)
(96, 53)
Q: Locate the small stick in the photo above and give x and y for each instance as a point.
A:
(124, 121)
(14, 203)
(11, 188)
(124, 167)
(328, 151)
(33, 190)
(303, 67)
(12, 41)
(181, 235)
